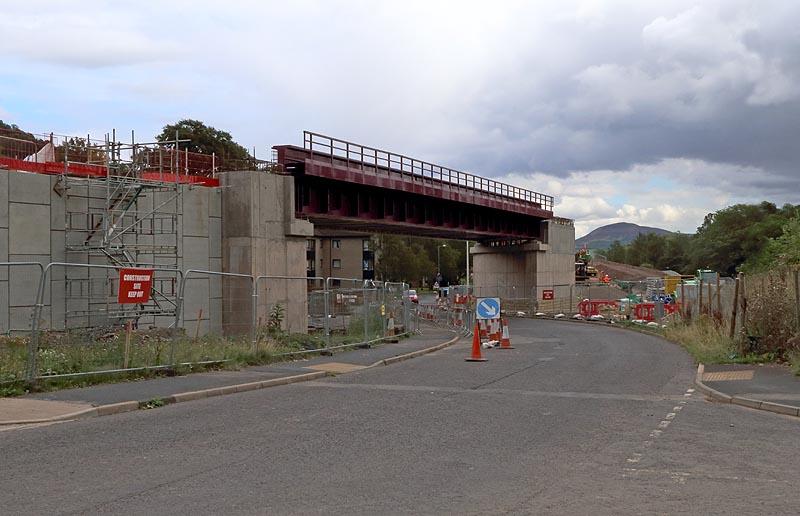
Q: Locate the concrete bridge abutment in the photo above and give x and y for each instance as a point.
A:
(261, 236)
(524, 271)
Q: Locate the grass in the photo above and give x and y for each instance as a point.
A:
(86, 351)
(794, 361)
(704, 340)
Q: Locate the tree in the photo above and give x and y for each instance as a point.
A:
(617, 252)
(411, 259)
(728, 237)
(402, 259)
(203, 139)
(781, 251)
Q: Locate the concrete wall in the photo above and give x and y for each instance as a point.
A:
(524, 271)
(260, 236)
(39, 218)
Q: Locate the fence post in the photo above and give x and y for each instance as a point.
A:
(365, 302)
(571, 298)
(700, 297)
(797, 296)
(326, 322)
(735, 303)
(253, 321)
(178, 313)
(33, 345)
(683, 299)
(384, 311)
(743, 294)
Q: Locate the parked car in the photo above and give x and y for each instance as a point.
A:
(411, 295)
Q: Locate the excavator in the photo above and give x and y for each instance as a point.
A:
(584, 271)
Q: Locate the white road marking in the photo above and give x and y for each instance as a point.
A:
(636, 457)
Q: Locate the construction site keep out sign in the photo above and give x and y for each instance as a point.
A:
(134, 285)
(548, 294)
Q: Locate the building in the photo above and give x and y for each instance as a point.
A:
(340, 255)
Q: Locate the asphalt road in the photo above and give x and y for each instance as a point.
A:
(577, 419)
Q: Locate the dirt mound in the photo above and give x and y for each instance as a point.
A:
(622, 271)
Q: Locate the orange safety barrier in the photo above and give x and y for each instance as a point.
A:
(587, 307)
(646, 311)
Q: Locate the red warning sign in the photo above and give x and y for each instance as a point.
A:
(134, 285)
(548, 294)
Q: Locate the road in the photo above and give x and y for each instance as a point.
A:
(577, 419)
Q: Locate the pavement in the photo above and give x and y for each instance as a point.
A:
(129, 395)
(576, 419)
(768, 387)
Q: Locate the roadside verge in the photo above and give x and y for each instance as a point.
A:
(129, 406)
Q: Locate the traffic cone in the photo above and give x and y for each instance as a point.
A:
(496, 334)
(505, 341)
(484, 330)
(476, 346)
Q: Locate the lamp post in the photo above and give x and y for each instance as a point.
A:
(467, 276)
(439, 258)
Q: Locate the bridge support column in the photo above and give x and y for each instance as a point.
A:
(523, 272)
(261, 236)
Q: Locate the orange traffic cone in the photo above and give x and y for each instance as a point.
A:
(483, 325)
(497, 334)
(476, 346)
(505, 341)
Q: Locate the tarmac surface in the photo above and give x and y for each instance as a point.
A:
(774, 383)
(577, 419)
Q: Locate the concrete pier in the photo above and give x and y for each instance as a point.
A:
(525, 270)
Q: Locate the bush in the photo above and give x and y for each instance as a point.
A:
(770, 323)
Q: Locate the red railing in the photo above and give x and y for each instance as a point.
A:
(364, 156)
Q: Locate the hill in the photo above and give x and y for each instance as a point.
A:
(625, 232)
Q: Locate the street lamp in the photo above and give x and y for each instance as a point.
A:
(439, 258)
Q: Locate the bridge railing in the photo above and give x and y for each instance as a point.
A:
(390, 162)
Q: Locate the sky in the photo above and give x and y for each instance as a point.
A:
(649, 112)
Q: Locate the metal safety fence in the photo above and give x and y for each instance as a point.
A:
(453, 309)
(64, 320)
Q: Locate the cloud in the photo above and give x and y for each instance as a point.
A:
(674, 194)
(92, 38)
(657, 111)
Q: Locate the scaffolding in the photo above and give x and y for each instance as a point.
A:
(127, 217)
(124, 207)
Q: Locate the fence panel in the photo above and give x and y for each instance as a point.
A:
(80, 328)
(374, 311)
(289, 303)
(201, 312)
(342, 299)
(18, 285)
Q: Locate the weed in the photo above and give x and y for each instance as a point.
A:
(153, 403)
(276, 316)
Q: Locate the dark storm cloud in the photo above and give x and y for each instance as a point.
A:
(718, 82)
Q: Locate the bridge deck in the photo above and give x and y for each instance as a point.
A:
(340, 160)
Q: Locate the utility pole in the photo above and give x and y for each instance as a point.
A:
(467, 281)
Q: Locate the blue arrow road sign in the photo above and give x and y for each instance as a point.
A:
(488, 308)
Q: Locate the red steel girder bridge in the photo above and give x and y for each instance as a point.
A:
(345, 185)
